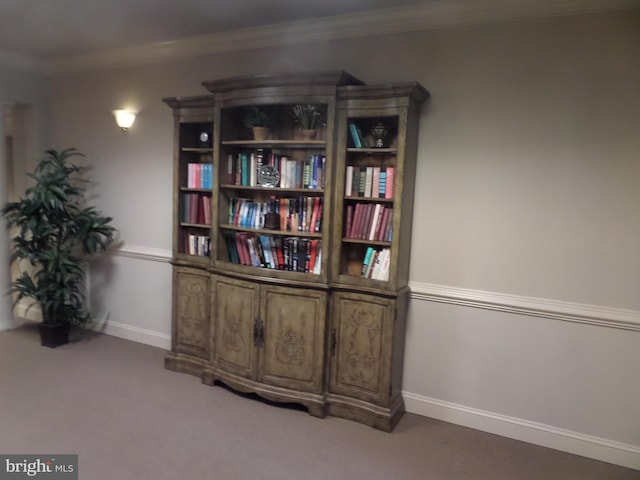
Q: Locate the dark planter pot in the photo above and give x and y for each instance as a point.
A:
(54, 335)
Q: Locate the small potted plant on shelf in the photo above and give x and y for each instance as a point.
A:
(56, 233)
(259, 120)
(310, 117)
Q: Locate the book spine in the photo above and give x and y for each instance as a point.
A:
(375, 182)
(355, 138)
(389, 191)
(368, 182)
(348, 182)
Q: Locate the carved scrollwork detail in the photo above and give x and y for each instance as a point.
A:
(362, 333)
(192, 313)
(290, 348)
(232, 332)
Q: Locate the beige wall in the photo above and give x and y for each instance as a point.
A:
(527, 189)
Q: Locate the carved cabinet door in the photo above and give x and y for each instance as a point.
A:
(191, 312)
(361, 346)
(236, 312)
(292, 353)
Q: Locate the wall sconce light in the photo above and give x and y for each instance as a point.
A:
(124, 118)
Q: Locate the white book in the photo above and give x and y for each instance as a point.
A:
(375, 218)
(368, 181)
(384, 265)
(253, 170)
(348, 183)
(317, 268)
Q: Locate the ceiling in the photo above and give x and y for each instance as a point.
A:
(49, 29)
(61, 32)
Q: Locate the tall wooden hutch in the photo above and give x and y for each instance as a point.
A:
(290, 251)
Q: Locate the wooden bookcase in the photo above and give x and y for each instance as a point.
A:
(277, 300)
(376, 166)
(192, 194)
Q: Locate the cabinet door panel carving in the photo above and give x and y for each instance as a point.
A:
(294, 322)
(362, 325)
(235, 308)
(191, 334)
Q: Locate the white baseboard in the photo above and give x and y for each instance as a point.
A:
(531, 432)
(135, 334)
(7, 325)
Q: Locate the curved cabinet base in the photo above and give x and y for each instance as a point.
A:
(184, 364)
(382, 418)
(315, 404)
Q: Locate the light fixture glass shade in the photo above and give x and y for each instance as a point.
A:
(124, 118)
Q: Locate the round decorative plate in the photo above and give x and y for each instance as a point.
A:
(268, 176)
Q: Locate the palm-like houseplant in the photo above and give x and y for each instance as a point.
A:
(309, 116)
(56, 233)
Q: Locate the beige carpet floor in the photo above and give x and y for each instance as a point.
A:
(111, 402)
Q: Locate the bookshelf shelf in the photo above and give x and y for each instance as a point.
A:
(197, 149)
(291, 256)
(373, 151)
(265, 231)
(275, 143)
(305, 191)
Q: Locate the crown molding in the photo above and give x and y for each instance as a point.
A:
(427, 16)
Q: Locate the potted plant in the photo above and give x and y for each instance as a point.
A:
(259, 120)
(56, 233)
(310, 117)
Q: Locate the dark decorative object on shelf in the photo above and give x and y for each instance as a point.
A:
(379, 133)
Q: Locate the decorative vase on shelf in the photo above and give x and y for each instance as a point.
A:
(308, 134)
(260, 133)
(379, 132)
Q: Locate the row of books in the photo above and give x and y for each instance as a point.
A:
(376, 264)
(369, 221)
(243, 169)
(196, 209)
(297, 214)
(200, 175)
(275, 252)
(193, 244)
(370, 182)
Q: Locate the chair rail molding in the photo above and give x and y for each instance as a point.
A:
(529, 306)
(143, 253)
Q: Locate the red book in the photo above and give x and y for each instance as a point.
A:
(206, 204)
(319, 219)
(193, 208)
(357, 214)
(313, 253)
(240, 249)
(388, 226)
(381, 226)
(201, 210)
(348, 220)
(389, 192)
(314, 214)
(280, 253)
(379, 223)
(363, 232)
